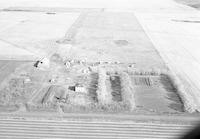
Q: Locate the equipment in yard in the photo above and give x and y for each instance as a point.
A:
(27, 80)
(67, 64)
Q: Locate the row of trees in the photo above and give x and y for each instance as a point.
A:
(127, 90)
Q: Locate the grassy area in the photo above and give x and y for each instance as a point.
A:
(192, 3)
(104, 96)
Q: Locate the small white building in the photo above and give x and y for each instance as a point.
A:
(80, 88)
(43, 63)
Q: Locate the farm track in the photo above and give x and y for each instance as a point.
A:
(72, 31)
(11, 128)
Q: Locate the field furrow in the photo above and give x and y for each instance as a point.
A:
(86, 129)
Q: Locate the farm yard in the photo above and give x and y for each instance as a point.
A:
(112, 63)
(115, 68)
(78, 86)
(104, 71)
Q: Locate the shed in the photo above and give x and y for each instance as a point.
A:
(80, 88)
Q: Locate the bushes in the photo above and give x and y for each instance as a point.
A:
(104, 97)
(14, 92)
(153, 72)
(127, 90)
(48, 107)
(95, 107)
(187, 100)
(5, 97)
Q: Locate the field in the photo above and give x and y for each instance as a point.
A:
(192, 3)
(18, 128)
(10, 52)
(38, 37)
(176, 42)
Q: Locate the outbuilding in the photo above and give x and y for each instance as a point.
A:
(80, 88)
(43, 63)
